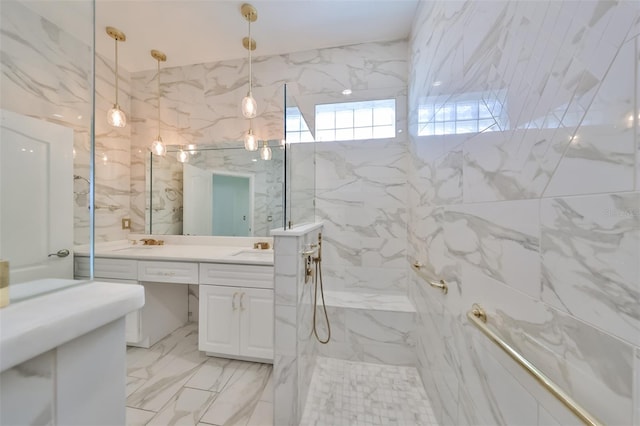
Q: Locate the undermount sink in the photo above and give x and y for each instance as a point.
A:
(254, 253)
(134, 248)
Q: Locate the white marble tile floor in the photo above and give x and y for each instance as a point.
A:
(357, 393)
(172, 383)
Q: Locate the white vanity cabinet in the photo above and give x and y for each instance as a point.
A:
(236, 311)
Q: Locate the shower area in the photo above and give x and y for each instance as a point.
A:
(348, 199)
(503, 213)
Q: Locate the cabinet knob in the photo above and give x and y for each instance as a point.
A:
(242, 301)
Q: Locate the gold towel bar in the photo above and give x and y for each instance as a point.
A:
(478, 317)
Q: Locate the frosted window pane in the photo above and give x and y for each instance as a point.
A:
(449, 128)
(325, 120)
(425, 114)
(293, 123)
(383, 116)
(344, 134)
(363, 133)
(466, 110)
(344, 119)
(363, 117)
(483, 110)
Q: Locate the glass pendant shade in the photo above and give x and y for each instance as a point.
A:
(116, 117)
(183, 156)
(249, 106)
(158, 147)
(265, 152)
(250, 141)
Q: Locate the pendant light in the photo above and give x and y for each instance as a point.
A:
(250, 140)
(265, 151)
(157, 146)
(249, 106)
(182, 155)
(115, 116)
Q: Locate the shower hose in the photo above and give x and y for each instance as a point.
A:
(318, 277)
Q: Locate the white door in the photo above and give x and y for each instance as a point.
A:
(256, 322)
(219, 319)
(197, 201)
(36, 198)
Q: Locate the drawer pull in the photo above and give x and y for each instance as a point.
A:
(233, 301)
(167, 274)
(241, 301)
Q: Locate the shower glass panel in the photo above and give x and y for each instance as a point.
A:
(300, 167)
(46, 89)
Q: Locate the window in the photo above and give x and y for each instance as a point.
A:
(477, 114)
(297, 129)
(356, 120)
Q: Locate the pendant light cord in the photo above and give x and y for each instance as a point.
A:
(158, 98)
(250, 45)
(116, 40)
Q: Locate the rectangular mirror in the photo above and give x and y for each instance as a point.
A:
(219, 190)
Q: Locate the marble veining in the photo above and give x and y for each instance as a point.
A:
(171, 383)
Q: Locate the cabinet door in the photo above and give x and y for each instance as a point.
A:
(256, 322)
(219, 317)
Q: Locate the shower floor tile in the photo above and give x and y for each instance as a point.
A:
(358, 393)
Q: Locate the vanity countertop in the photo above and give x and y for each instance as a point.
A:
(42, 322)
(181, 252)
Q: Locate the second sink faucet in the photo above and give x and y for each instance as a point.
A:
(262, 245)
(151, 242)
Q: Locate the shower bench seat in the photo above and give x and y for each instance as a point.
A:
(370, 327)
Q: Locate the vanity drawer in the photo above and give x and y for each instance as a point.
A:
(168, 272)
(235, 275)
(121, 269)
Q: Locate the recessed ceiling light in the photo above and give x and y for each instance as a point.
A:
(437, 83)
(346, 92)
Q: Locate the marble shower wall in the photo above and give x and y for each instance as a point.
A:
(200, 103)
(536, 219)
(46, 73)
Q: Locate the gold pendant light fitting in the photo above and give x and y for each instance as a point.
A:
(116, 34)
(158, 55)
(249, 12)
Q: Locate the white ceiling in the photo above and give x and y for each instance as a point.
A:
(198, 31)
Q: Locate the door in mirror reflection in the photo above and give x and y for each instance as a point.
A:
(217, 203)
(231, 205)
(36, 198)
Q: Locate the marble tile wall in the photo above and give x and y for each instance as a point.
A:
(537, 219)
(46, 73)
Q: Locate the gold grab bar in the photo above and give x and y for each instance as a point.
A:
(478, 317)
(442, 285)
